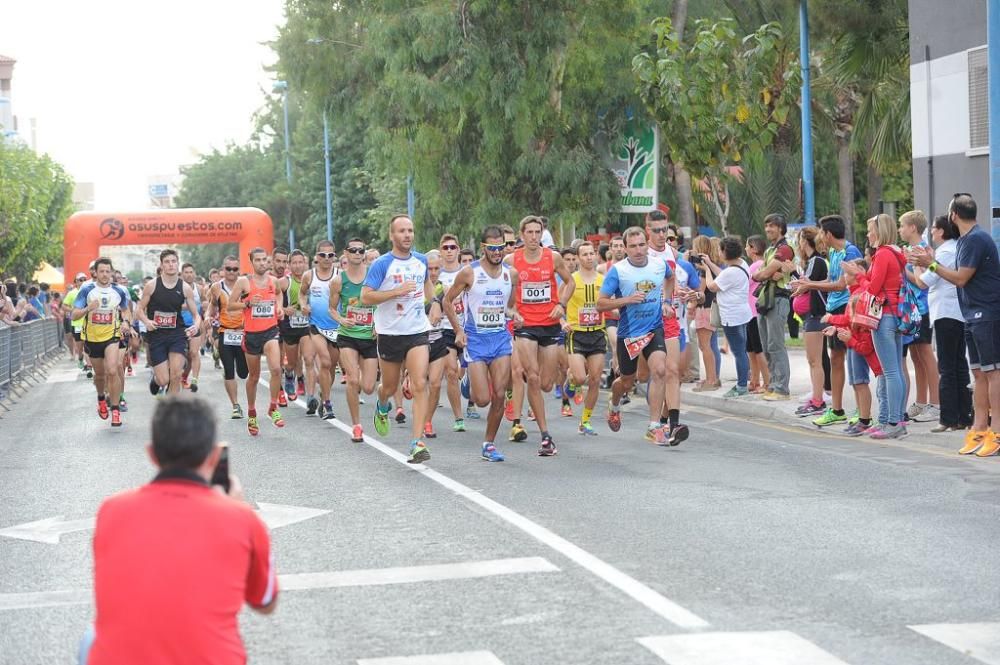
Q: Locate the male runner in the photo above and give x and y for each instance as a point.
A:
(356, 335)
(585, 342)
(234, 361)
(397, 285)
(104, 307)
(257, 297)
(160, 312)
(535, 342)
(279, 268)
(438, 351)
(616, 253)
(294, 327)
(190, 377)
(635, 287)
(450, 267)
(314, 302)
(487, 288)
(564, 388)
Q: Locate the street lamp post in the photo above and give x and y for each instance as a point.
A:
(282, 87)
(808, 192)
(326, 172)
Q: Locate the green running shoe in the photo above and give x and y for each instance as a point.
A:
(418, 453)
(381, 419)
(459, 426)
(829, 418)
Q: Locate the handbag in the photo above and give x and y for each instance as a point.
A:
(715, 316)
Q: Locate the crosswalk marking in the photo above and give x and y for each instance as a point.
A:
(777, 647)
(976, 640)
(459, 658)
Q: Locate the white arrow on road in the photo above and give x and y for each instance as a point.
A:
(49, 530)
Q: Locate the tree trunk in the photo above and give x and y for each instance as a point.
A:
(874, 190)
(682, 179)
(845, 183)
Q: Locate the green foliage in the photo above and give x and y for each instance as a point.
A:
(36, 197)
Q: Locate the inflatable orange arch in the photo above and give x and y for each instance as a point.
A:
(86, 232)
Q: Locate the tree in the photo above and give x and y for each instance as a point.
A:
(36, 197)
(719, 98)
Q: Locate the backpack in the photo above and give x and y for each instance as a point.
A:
(907, 312)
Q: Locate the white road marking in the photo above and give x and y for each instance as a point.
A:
(659, 604)
(47, 530)
(66, 375)
(23, 601)
(776, 647)
(276, 515)
(977, 640)
(414, 574)
(463, 658)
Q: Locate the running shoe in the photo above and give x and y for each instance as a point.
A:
(154, 387)
(736, 391)
(464, 385)
(625, 400)
(578, 398)
(810, 408)
(184, 384)
(400, 416)
(855, 429)
(773, 396)
(252, 426)
(587, 429)
(276, 418)
(559, 391)
(90, 371)
(102, 408)
(531, 414)
(471, 413)
(915, 410)
(300, 386)
(888, 431)
(655, 434)
(321, 410)
(122, 405)
(570, 390)
(381, 419)
(282, 398)
(418, 453)
(407, 393)
(491, 454)
(508, 407)
(79, 363)
(116, 418)
(327, 411)
(973, 442)
(677, 434)
(237, 413)
(429, 431)
(990, 447)
(357, 434)
(567, 410)
(930, 413)
(311, 406)
(854, 418)
(517, 433)
(614, 418)
(459, 426)
(194, 385)
(289, 384)
(829, 418)
(548, 448)
(129, 372)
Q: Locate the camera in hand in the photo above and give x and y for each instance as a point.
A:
(696, 260)
(220, 476)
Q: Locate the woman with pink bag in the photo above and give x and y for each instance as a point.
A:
(811, 306)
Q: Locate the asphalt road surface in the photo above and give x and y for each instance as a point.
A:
(748, 544)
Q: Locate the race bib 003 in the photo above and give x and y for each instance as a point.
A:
(536, 292)
(490, 318)
(232, 338)
(165, 319)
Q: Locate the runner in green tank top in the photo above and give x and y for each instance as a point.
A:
(295, 328)
(356, 336)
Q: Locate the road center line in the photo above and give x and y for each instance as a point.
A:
(659, 604)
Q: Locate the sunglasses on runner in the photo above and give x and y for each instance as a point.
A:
(671, 238)
(355, 250)
(449, 247)
(494, 248)
(326, 255)
(658, 229)
(231, 269)
(511, 243)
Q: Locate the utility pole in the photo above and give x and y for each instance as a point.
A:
(282, 87)
(993, 69)
(808, 187)
(326, 163)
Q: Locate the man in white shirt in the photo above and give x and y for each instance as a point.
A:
(732, 284)
(547, 240)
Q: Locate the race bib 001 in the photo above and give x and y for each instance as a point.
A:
(100, 318)
(361, 315)
(262, 310)
(232, 338)
(536, 292)
(165, 319)
(490, 318)
(589, 316)
(635, 345)
(298, 321)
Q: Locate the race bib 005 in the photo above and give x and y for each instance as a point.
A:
(536, 292)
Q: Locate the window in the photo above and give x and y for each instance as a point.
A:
(979, 112)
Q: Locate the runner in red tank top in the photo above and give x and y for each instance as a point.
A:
(538, 298)
(258, 296)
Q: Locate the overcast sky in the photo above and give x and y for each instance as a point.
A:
(125, 89)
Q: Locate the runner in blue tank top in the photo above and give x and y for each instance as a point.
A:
(314, 301)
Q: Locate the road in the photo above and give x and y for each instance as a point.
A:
(750, 543)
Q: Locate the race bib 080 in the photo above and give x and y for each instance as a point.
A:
(262, 310)
(536, 292)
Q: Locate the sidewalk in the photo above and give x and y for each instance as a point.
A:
(783, 413)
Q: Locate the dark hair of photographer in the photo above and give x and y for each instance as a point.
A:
(183, 433)
(732, 248)
(948, 230)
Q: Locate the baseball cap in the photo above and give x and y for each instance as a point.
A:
(79, 275)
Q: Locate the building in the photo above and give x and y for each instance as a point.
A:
(948, 103)
(83, 196)
(7, 123)
(162, 189)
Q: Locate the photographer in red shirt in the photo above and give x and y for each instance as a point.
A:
(175, 560)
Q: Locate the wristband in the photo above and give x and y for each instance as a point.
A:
(933, 266)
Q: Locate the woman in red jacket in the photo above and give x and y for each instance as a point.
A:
(885, 276)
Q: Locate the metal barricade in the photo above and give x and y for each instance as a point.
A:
(26, 352)
(5, 341)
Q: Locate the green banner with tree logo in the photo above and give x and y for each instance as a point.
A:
(635, 161)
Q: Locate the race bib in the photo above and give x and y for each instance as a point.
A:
(102, 318)
(331, 335)
(490, 318)
(262, 310)
(298, 321)
(635, 345)
(232, 338)
(536, 292)
(363, 316)
(165, 319)
(589, 316)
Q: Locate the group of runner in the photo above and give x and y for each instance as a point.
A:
(514, 323)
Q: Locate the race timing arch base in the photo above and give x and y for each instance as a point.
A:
(86, 232)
